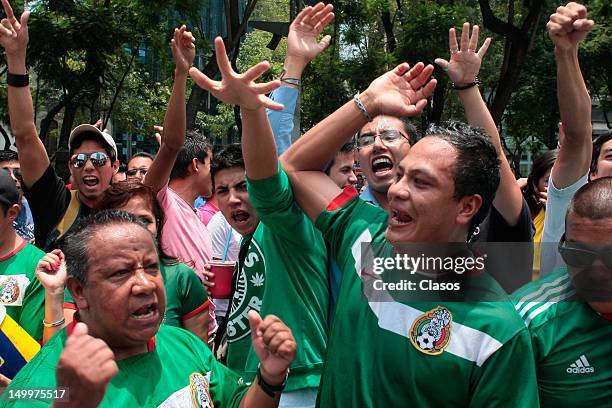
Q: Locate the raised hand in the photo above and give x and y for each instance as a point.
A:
(274, 345)
(303, 41)
(85, 367)
(14, 33)
(569, 25)
(402, 92)
(464, 63)
(183, 49)
(51, 272)
(238, 89)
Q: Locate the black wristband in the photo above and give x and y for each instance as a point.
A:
(271, 390)
(462, 87)
(17, 80)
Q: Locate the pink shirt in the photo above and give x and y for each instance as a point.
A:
(207, 211)
(183, 235)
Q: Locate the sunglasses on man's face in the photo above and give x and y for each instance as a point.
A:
(98, 159)
(133, 172)
(386, 136)
(14, 172)
(578, 256)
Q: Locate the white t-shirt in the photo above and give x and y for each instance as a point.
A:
(554, 222)
(222, 235)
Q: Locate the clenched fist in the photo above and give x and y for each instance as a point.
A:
(85, 367)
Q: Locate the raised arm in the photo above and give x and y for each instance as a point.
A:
(259, 149)
(175, 122)
(462, 70)
(402, 92)
(567, 27)
(302, 47)
(32, 154)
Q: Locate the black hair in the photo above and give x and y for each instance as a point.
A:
(228, 157)
(413, 133)
(196, 146)
(476, 169)
(592, 201)
(87, 135)
(350, 146)
(142, 154)
(541, 165)
(598, 142)
(8, 155)
(76, 242)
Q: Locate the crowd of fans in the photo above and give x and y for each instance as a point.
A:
(244, 276)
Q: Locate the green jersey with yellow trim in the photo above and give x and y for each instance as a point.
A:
(284, 273)
(21, 291)
(177, 371)
(571, 343)
(475, 354)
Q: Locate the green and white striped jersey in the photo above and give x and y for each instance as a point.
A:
(571, 342)
(385, 353)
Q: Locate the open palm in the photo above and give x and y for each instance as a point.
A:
(303, 39)
(402, 91)
(465, 62)
(238, 89)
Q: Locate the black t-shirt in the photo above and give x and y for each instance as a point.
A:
(49, 200)
(509, 248)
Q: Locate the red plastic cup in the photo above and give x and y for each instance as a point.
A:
(223, 278)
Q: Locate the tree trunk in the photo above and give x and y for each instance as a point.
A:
(437, 105)
(388, 26)
(61, 156)
(519, 43)
(211, 69)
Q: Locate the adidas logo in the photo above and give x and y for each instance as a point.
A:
(581, 366)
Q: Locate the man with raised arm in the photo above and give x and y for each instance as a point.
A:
(93, 153)
(567, 28)
(425, 352)
(282, 268)
(509, 219)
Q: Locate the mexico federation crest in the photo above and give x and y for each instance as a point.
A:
(9, 291)
(200, 392)
(431, 332)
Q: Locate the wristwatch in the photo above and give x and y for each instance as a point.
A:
(271, 390)
(292, 81)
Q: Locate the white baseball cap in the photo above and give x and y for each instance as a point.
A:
(86, 128)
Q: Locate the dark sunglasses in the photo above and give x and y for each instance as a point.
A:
(133, 172)
(98, 159)
(14, 172)
(580, 257)
(387, 136)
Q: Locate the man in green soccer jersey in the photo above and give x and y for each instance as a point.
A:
(569, 316)
(386, 352)
(115, 353)
(283, 263)
(20, 290)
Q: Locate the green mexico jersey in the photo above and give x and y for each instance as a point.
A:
(177, 371)
(425, 354)
(571, 343)
(20, 291)
(185, 294)
(284, 273)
